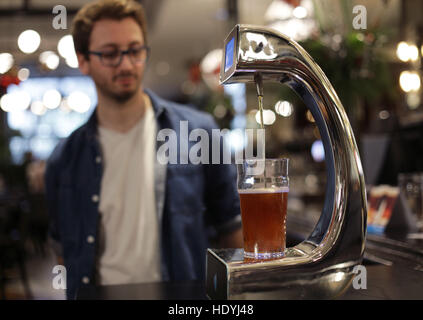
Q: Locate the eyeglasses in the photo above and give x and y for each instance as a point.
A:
(113, 58)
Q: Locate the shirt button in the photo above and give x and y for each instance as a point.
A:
(85, 280)
(95, 198)
(90, 239)
(98, 159)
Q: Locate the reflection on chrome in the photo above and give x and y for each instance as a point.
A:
(257, 47)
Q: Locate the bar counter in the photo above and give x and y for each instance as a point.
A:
(394, 271)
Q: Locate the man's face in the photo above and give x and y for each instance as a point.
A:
(120, 82)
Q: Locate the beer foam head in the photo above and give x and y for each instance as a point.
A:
(264, 190)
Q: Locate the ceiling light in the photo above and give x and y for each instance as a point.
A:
(66, 49)
(29, 41)
(52, 99)
(413, 100)
(23, 74)
(65, 46)
(402, 51)
(72, 61)
(283, 108)
(299, 12)
(269, 117)
(6, 62)
(17, 100)
(413, 52)
(38, 108)
(407, 51)
(409, 81)
(79, 101)
(49, 59)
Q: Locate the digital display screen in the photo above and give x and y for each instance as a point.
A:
(229, 57)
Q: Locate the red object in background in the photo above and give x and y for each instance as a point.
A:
(194, 72)
(381, 204)
(6, 80)
(294, 3)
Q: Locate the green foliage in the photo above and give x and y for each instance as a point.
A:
(355, 65)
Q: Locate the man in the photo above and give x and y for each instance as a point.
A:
(117, 215)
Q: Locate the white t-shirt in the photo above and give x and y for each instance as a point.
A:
(129, 250)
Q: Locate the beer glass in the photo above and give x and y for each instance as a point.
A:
(263, 186)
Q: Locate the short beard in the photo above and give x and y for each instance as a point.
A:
(106, 89)
(123, 97)
(118, 97)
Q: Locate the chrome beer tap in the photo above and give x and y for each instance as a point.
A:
(322, 265)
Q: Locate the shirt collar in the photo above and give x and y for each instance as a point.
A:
(159, 105)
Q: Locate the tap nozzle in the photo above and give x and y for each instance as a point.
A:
(259, 84)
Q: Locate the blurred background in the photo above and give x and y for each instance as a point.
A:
(376, 72)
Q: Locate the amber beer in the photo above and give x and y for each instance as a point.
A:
(263, 186)
(264, 222)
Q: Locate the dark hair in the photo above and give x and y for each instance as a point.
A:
(104, 9)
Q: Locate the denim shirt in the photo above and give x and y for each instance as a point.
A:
(192, 200)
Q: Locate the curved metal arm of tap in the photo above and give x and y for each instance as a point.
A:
(340, 232)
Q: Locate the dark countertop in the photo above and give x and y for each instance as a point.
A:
(389, 283)
(383, 282)
(190, 290)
